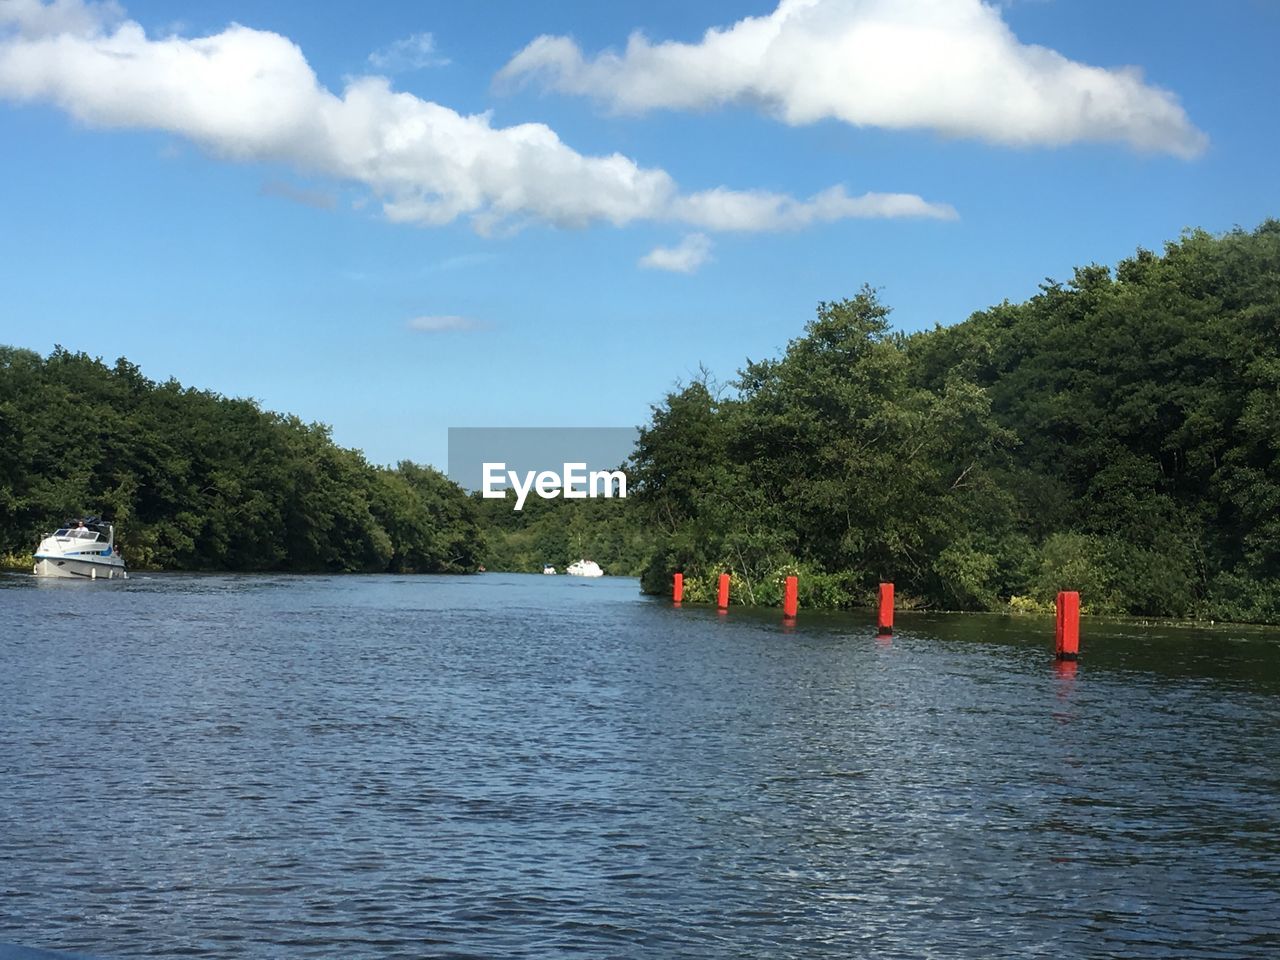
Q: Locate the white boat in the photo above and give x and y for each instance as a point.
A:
(548, 570)
(84, 549)
(584, 568)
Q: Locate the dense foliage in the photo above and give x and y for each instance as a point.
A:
(560, 531)
(1118, 434)
(197, 481)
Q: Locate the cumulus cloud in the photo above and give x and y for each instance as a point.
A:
(34, 18)
(442, 324)
(414, 52)
(686, 257)
(952, 66)
(250, 95)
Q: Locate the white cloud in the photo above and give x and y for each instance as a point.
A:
(250, 95)
(952, 66)
(754, 210)
(442, 324)
(414, 52)
(34, 18)
(686, 257)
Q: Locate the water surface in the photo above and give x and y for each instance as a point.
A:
(507, 766)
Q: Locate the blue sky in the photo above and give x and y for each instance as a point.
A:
(367, 253)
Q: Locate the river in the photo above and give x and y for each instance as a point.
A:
(523, 766)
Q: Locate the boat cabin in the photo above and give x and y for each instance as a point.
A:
(88, 530)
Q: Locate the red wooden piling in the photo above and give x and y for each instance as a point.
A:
(1068, 629)
(677, 588)
(791, 598)
(886, 608)
(722, 598)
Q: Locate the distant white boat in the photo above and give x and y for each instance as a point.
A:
(584, 568)
(83, 548)
(548, 570)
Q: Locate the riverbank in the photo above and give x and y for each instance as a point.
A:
(1018, 608)
(1011, 613)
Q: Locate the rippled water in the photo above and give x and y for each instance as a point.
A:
(505, 766)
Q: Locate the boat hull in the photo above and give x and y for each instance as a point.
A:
(79, 568)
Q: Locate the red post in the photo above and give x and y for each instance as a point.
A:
(677, 588)
(722, 598)
(791, 598)
(1068, 632)
(886, 608)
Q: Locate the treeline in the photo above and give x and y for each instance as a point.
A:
(197, 481)
(558, 532)
(1118, 434)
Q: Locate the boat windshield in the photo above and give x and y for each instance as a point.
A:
(61, 533)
